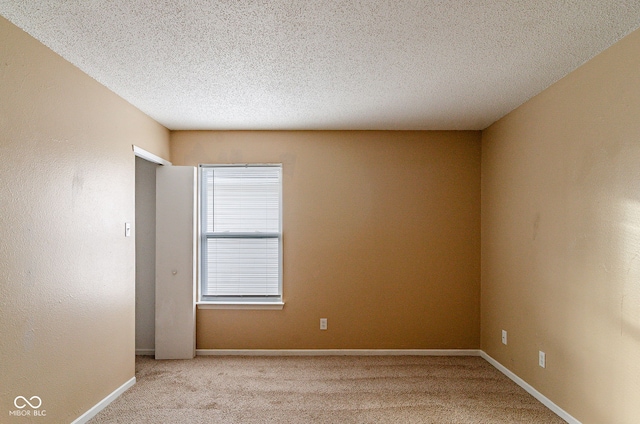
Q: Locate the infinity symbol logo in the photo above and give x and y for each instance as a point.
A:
(26, 402)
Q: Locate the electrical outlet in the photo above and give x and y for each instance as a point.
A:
(323, 323)
(504, 337)
(542, 359)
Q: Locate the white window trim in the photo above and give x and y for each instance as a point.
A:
(276, 306)
(237, 303)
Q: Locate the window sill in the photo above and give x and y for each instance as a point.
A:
(241, 305)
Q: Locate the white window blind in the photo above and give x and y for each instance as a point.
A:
(241, 232)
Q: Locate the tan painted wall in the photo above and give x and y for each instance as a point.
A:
(561, 238)
(381, 236)
(66, 269)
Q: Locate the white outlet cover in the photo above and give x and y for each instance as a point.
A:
(504, 337)
(542, 359)
(323, 323)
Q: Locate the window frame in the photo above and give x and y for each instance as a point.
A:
(235, 302)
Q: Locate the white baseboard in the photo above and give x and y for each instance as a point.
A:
(337, 352)
(104, 402)
(146, 352)
(533, 392)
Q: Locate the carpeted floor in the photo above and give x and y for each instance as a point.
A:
(328, 389)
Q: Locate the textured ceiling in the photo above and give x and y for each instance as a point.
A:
(326, 64)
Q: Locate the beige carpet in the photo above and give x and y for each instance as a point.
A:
(336, 389)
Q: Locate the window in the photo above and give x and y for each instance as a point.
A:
(241, 234)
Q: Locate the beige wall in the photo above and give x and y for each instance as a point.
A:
(381, 236)
(561, 238)
(66, 269)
